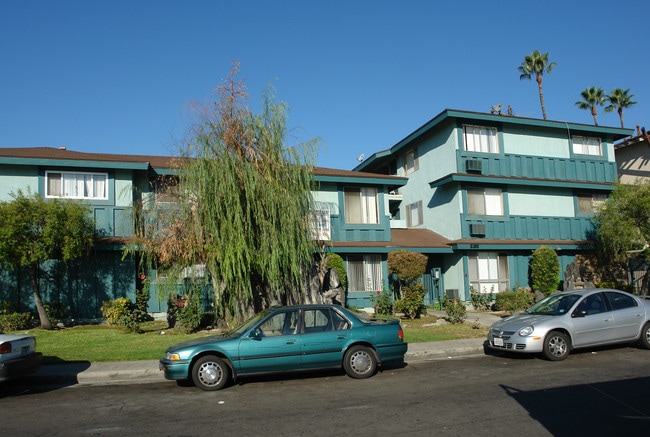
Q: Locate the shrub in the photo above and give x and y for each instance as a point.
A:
(412, 304)
(7, 307)
(545, 270)
(335, 262)
(455, 309)
(142, 296)
(382, 303)
(481, 301)
(173, 306)
(190, 314)
(16, 321)
(408, 266)
(123, 312)
(616, 286)
(515, 300)
(55, 311)
(114, 310)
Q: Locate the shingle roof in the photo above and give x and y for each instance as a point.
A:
(65, 154)
(154, 161)
(323, 171)
(404, 239)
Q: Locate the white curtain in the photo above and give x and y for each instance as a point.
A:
(480, 139)
(364, 273)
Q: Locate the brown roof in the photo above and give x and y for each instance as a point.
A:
(63, 153)
(404, 238)
(154, 161)
(323, 171)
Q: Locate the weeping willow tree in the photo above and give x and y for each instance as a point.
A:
(245, 198)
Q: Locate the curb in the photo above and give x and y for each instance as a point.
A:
(445, 349)
(130, 372)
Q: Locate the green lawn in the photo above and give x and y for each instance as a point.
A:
(106, 343)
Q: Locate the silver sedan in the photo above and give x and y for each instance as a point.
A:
(574, 319)
(18, 355)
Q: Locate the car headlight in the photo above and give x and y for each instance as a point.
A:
(172, 356)
(526, 331)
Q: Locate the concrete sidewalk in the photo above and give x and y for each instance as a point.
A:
(121, 372)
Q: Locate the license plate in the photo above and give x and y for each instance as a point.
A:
(498, 341)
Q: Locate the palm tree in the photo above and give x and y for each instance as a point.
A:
(592, 97)
(536, 63)
(619, 99)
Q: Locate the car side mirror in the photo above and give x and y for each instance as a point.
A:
(255, 334)
(580, 313)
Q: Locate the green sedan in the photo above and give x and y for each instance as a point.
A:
(287, 339)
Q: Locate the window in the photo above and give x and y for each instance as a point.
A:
(361, 205)
(364, 273)
(410, 162)
(620, 301)
(323, 320)
(76, 185)
(590, 202)
(285, 323)
(480, 139)
(594, 304)
(484, 201)
(587, 146)
(321, 224)
(488, 272)
(167, 190)
(414, 214)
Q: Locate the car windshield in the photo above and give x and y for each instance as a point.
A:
(247, 324)
(554, 305)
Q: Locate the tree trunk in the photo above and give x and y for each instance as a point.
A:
(594, 113)
(541, 95)
(40, 308)
(620, 116)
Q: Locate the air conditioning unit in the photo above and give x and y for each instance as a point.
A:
(477, 229)
(475, 165)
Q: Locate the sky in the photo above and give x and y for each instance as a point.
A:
(122, 76)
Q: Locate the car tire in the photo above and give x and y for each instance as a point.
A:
(210, 373)
(556, 346)
(360, 362)
(645, 336)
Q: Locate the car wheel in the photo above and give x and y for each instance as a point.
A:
(556, 346)
(210, 373)
(645, 336)
(360, 362)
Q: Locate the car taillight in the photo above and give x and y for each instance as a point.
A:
(5, 348)
(400, 334)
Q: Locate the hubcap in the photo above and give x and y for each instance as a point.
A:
(557, 346)
(210, 374)
(360, 362)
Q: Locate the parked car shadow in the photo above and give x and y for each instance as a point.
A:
(298, 375)
(54, 375)
(603, 408)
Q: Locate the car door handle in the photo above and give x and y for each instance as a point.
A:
(291, 341)
(341, 337)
